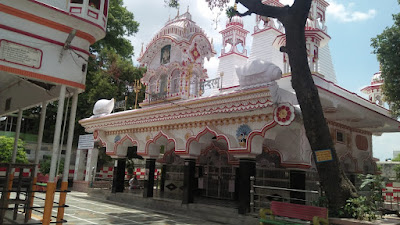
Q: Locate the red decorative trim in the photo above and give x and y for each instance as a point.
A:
(162, 36)
(200, 134)
(41, 77)
(201, 112)
(229, 87)
(122, 140)
(233, 53)
(72, 8)
(259, 133)
(263, 30)
(41, 56)
(41, 38)
(45, 22)
(231, 159)
(154, 140)
(93, 14)
(66, 13)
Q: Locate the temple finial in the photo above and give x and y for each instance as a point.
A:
(141, 51)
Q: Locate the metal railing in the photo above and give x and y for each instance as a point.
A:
(19, 192)
(261, 196)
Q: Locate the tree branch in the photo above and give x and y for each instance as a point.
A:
(247, 13)
(301, 8)
(256, 6)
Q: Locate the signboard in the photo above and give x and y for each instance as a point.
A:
(323, 155)
(120, 105)
(20, 54)
(86, 141)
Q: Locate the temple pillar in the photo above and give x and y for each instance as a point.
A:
(91, 164)
(163, 176)
(247, 168)
(188, 181)
(118, 184)
(80, 164)
(149, 178)
(297, 181)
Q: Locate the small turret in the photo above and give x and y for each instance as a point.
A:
(374, 90)
(234, 51)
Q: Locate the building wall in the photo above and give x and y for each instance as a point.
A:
(325, 66)
(262, 48)
(354, 148)
(61, 4)
(227, 65)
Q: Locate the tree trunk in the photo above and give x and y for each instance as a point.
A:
(334, 182)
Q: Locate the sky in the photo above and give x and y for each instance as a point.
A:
(351, 25)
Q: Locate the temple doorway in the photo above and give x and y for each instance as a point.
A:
(217, 177)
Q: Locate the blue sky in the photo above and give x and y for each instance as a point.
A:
(351, 25)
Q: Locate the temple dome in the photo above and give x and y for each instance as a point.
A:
(377, 78)
(236, 20)
(180, 31)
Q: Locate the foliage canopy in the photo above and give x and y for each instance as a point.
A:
(7, 148)
(387, 48)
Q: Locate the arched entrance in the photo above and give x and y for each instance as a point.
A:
(217, 174)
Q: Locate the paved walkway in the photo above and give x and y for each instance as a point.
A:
(85, 210)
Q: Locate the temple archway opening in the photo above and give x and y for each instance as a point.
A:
(217, 173)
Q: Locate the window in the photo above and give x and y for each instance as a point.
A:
(152, 86)
(175, 82)
(340, 136)
(77, 1)
(8, 104)
(94, 4)
(163, 84)
(194, 85)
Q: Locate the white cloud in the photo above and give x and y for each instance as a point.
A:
(346, 14)
(383, 146)
(211, 66)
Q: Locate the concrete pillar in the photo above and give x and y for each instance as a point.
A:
(163, 176)
(64, 184)
(37, 151)
(51, 186)
(247, 168)
(118, 184)
(16, 137)
(91, 164)
(40, 136)
(149, 181)
(189, 181)
(80, 164)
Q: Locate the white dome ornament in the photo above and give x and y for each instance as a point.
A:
(284, 114)
(103, 107)
(258, 73)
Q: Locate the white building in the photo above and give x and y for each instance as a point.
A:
(44, 49)
(251, 124)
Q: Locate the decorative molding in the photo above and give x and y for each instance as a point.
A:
(195, 124)
(239, 102)
(339, 125)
